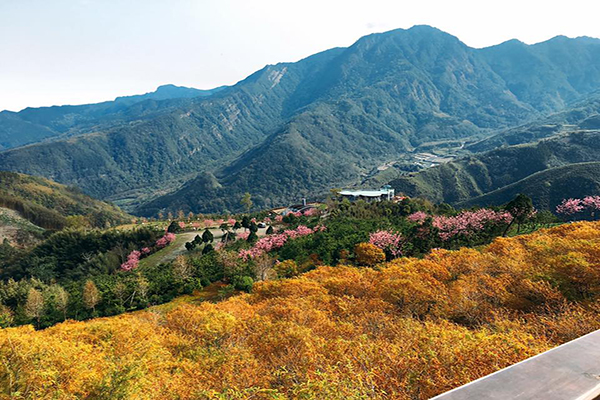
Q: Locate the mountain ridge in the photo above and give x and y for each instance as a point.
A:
(382, 97)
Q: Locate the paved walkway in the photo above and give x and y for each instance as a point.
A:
(567, 372)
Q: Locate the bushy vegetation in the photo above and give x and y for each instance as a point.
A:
(48, 283)
(410, 329)
(360, 234)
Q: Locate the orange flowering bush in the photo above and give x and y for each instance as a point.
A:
(368, 254)
(410, 330)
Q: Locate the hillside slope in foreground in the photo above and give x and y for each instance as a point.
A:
(410, 329)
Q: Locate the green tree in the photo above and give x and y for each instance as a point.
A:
(174, 227)
(253, 227)
(521, 208)
(208, 248)
(34, 306)
(246, 222)
(207, 236)
(61, 300)
(120, 291)
(252, 237)
(142, 288)
(247, 201)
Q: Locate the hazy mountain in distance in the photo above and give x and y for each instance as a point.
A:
(33, 125)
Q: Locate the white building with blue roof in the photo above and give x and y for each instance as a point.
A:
(385, 193)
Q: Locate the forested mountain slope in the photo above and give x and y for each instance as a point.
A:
(163, 148)
(509, 170)
(49, 205)
(547, 188)
(33, 125)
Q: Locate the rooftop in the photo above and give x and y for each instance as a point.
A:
(364, 193)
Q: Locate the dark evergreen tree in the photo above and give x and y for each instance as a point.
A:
(246, 221)
(521, 208)
(174, 227)
(207, 236)
(208, 248)
(253, 237)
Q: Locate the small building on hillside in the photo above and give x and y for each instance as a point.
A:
(385, 193)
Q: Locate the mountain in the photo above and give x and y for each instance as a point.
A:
(359, 122)
(582, 115)
(166, 92)
(39, 204)
(295, 130)
(169, 143)
(548, 188)
(33, 125)
(562, 66)
(542, 169)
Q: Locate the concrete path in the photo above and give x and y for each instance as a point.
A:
(567, 372)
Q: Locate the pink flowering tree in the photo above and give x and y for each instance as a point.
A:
(592, 202)
(276, 241)
(418, 217)
(311, 212)
(469, 224)
(133, 260)
(166, 240)
(243, 235)
(571, 207)
(390, 242)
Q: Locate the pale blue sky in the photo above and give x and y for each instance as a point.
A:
(82, 51)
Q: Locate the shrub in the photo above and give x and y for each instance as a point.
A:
(243, 283)
(286, 269)
(368, 254)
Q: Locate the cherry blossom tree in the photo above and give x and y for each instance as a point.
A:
(570, 207)
(387, 241)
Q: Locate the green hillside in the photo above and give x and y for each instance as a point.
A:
(33, 125)
(547, 188)
(460, 181)
(53, 206)
(583, 115)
